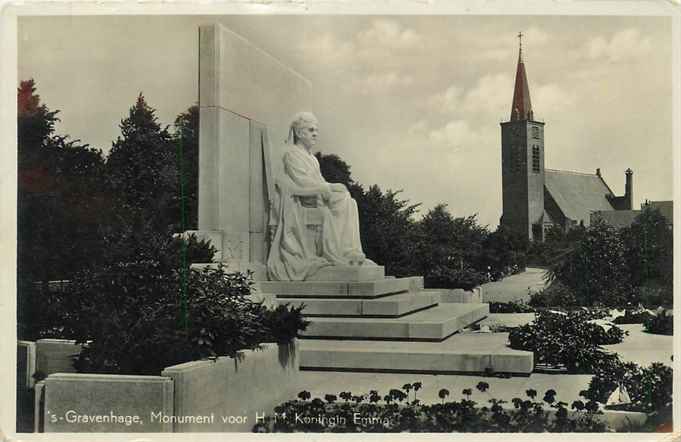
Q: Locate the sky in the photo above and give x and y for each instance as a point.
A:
(412, 103)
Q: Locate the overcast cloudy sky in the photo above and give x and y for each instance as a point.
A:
(410, 103)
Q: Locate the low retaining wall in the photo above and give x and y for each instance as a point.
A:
(55, 355)
(232, 394)
(102, 403)
(26, 364)
(221, 395)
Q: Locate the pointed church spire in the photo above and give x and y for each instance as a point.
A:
(522, 106)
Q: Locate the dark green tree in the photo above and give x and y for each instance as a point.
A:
(142, 169)
(595, 270)
(449, 250)
(649, 245)
(186, 138)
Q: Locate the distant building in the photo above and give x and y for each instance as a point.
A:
(624, 218)
(535, 198)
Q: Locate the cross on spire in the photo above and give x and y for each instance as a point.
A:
(520, 43)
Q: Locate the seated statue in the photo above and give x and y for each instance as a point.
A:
(301, 186)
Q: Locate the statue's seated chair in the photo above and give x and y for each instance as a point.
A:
(311, 211)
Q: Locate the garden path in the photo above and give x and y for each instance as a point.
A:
(514, 287)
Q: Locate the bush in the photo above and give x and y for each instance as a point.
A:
(510, 307)
(452, 278)
(555, 295)
(140, 321)
(633, 317)
(649, 388)
(660, 324)
(566, 340)
(139, 317)
(654, 296)
(394, 412)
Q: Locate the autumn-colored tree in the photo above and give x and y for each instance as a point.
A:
(59, 204)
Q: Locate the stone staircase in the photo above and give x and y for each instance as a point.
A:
(361, 320)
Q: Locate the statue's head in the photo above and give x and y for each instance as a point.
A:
(304, 129)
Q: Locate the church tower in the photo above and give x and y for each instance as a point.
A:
(522, 162)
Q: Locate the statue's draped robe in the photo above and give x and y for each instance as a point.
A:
(291, 258)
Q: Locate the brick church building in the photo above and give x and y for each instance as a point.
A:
(536, 198)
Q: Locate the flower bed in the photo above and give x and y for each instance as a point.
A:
(400, 410)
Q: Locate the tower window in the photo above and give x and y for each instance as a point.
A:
(535, 132)
(516, 159)
(536, 163)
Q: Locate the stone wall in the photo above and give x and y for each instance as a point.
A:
(234, 391)
(222, 395)
(102, 403)
(55, 355)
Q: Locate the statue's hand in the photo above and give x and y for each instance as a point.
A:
(338, 187)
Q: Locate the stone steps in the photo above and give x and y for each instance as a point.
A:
(465, 353)
(433, 324)
(386, 306)
(337, 289)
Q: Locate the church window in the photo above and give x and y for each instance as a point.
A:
(536, 162)
(535, 132)
(516, 159)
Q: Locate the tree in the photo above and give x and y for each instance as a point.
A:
(186, 138)
(450, 249)
(142, 169)
(60, 203)
(59, 193)
(648, 245)
(388, 230)
(596, 268)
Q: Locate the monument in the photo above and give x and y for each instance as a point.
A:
(265, 206)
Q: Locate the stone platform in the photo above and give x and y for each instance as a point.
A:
(469, 353)
(372, 323)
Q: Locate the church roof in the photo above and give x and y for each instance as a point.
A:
(577, 194)
(521, 109)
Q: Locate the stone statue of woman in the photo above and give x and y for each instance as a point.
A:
(291, 258)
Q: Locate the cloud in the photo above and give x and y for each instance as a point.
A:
(418, 128)
(388, 34)
(623, 45)
(378, 83)
(457, 134)
(499, 49)
(551, 99)
(328, 50)
(491, 95)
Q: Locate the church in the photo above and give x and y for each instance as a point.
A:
(535, 198)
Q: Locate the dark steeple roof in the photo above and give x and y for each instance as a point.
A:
(522, 105)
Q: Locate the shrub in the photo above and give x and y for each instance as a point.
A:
(137, 317)
(567, 340)
(511, 307)
(649, 388)
(654, 296)
(660, 324)
(555, 295)
(633, 317)
(454, 278)
(394, 412)
(140, 321)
